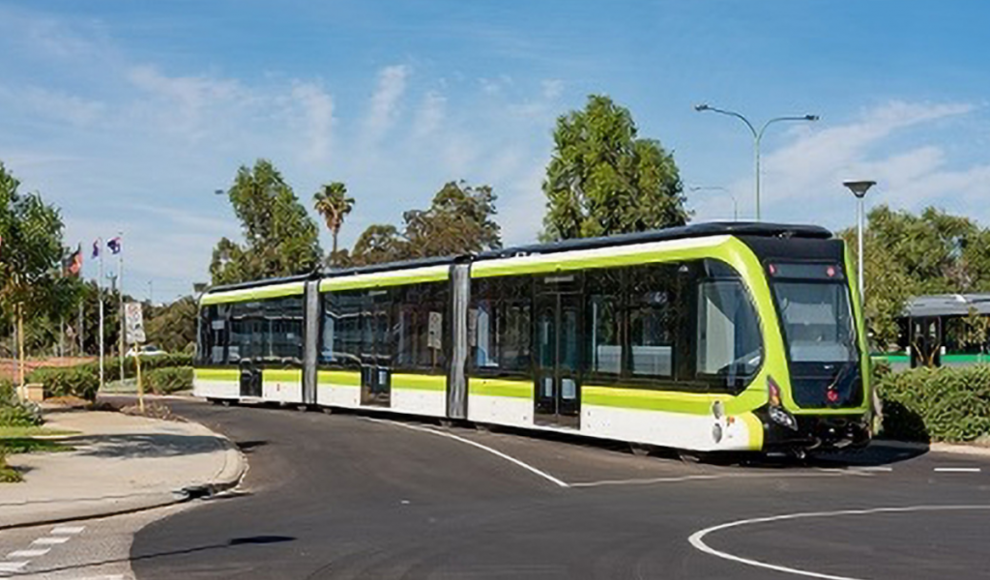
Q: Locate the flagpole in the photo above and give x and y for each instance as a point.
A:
(99, 294)
(120, 304)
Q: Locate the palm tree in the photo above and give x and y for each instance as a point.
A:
(333, 204)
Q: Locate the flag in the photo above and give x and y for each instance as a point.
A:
(114, 245)
(73, 264)
(96, 248)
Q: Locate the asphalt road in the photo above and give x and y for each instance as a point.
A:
(345, 496)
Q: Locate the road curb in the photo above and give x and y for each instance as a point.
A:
(229, 476)
(937, 447)
(234, 469)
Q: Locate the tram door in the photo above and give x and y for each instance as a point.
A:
(558, 387)
(376, 374)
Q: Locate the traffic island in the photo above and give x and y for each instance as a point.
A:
(117, 463)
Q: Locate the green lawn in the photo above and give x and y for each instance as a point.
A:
(13, 431)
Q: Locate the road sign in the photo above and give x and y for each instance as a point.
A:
(134, 322)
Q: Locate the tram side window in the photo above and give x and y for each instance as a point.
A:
(499, 328)
(604, 328)
(213, 335)
(281, 328)
(652, 310)
(420, 327)
(728, 346)
(342, 333)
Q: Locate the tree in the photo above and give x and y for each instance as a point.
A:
(280, 239)
(603, 180)
(460, 220)
(333, 204)
(30, 255)
(886, 285)
(173, 327)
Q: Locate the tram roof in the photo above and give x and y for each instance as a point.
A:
(699, 230)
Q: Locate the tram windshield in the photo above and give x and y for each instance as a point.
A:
(816, 316)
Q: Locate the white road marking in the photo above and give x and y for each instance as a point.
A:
(495, 452)
(51, 541)
(13, 566)
(67, 530)
(645, 481)
(29, 553)
(703, 477)
(871, 468)
(957, 469)
(697, 539)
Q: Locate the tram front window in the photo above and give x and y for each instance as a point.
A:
(817, 321)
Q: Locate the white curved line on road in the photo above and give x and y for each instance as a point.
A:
(495, 452)
(697, 540)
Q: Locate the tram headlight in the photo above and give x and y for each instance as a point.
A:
(778, 414)
(782, 417)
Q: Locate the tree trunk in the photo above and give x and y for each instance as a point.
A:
(20, 344)
(333, 253)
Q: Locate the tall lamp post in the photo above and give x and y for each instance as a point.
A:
(859, 189)
(757, 137)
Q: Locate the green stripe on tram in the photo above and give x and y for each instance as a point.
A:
(250, 294)
(339, 378)
(500, 388)
(217, 374)
(384, 279)
(670, 401)
(419, 382)
(284, 375)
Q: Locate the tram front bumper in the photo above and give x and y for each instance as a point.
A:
(817, 432)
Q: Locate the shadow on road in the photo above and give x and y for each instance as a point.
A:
(143, 445)
(231, 543)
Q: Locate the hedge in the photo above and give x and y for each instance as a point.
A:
(77, 381)
(168, 380)
(942, 404)
(84, 380)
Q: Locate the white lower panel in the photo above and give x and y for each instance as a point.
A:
(512, 411)
(281, 392)
(216, 389)
(338, 395)
(420, 402)
(665, 429)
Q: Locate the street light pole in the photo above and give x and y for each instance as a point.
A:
(859, 189)
(757, 137)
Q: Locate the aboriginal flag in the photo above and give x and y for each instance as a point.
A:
(73, 264)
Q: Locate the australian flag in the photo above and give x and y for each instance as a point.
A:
(114, 245)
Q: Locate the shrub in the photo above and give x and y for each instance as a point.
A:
(168, 379)
(20, 414)
(7, 392)
(943, 404)
(78, 381)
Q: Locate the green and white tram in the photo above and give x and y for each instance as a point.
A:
(709, 337)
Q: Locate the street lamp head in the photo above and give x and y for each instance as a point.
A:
(702, 107)
(218, 192)
(811, 117)
(859, 188)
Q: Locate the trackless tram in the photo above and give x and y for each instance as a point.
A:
(710, 337)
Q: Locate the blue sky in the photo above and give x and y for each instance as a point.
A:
(129, 115)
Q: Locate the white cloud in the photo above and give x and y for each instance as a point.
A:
(802, 180)
(552, 88)
(430, 114)
(188, 99)
(317, 106)
(385, 101)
